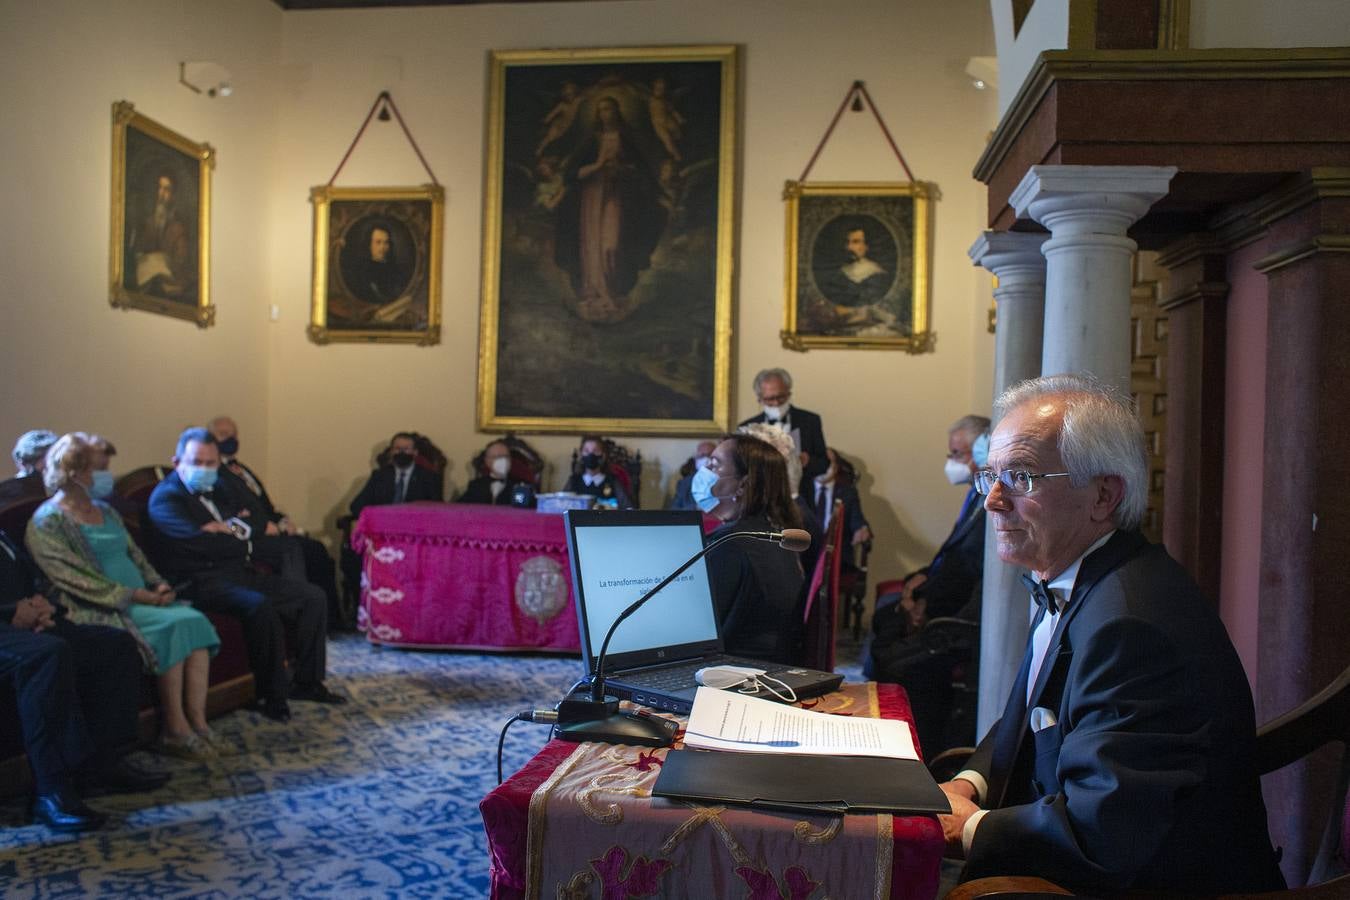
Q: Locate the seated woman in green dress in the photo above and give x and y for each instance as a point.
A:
(102, 578)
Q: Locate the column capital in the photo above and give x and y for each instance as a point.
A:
(997, 250)
(1101, 200)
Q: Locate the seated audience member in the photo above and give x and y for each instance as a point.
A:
(30, 450)
(316, 565)
(77, 689)
(1125, 759)
(97, 569)
(399, 481)
(682, 499)
(203, 535)
(947, 586)
(494, 483)
(838, 482)
(594, 477)
(757, 585)
(784, 444)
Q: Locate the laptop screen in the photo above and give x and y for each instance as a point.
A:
(616, 558)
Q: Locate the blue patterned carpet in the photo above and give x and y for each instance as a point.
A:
(377, 798)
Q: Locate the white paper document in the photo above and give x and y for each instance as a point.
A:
(726, 720)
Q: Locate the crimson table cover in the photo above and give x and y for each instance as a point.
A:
(465, 575)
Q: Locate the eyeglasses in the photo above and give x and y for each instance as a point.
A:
(1014, 481)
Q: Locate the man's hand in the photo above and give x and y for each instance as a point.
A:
(862, 535)
(147, 597)
(954, 824)
(214, 527)
(165, 592)
(34, 614)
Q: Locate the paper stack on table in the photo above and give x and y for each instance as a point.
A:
(727, 720)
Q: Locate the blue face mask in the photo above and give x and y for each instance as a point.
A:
(700, 488)
(102, 488)
(979, 451)
(198, 479)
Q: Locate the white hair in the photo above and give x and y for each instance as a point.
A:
(972, 426)
(781, 441)
(1100, 435)
(773, 373)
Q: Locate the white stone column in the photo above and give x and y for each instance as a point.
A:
(1088, 260)
(1014, 258)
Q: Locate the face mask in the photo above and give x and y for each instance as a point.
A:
(979, 451)
(590, 460)
(500, 467)
(700, 488)
(229, 446)
(775, 413)
(102, 488)
(700, 462)
(402, 460)
(198, 479)
(957, 472)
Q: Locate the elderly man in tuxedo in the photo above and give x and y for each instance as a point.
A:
(1125, 756)
(773, 390)
(202, 533)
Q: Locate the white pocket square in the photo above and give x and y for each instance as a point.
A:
(1042, 718)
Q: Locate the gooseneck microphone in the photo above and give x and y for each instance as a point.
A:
(596, 717)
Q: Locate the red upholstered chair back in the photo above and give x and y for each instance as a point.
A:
(822, 597)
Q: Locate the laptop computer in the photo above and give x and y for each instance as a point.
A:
(616, 557)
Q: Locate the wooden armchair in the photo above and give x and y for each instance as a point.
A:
(822, 597)
(1323, 719)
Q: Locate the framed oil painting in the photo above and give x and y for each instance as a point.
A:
(857, 266)
(160, 247)
(377, 264)
(608, 241)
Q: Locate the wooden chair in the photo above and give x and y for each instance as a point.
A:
(822, 597)
(131, 496)
(1323, 719)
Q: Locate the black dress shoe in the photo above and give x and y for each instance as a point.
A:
(276, 709)
(64, 812)
(316, 693)
(121, 777)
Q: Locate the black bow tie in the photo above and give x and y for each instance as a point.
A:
(1040, 592)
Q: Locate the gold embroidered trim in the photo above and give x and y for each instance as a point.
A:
(534, 828)
(806, 833)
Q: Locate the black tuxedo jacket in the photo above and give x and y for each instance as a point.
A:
(178, 546)
(812, 434)
(379, 488)
(20, 577)
(957, 567)
(479, 490)
(1147, 777)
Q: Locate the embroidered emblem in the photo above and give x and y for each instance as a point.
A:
(387, 555)
(763, 886)
(541, 591)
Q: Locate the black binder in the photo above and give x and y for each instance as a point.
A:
(817, 784)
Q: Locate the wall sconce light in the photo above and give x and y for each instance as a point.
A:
(209, 78)
(983, 72)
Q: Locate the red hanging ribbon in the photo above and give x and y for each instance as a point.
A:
(857, 90)
(389, 104)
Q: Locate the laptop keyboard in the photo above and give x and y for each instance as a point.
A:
(681, 675)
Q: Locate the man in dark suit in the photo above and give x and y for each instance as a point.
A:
(316, 565)
(494, 484)
(77, 689)
(947, 586)
(1125, 757)
(202, 532)
(401, 480)
(773, 389)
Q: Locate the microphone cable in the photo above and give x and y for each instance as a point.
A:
(542, 716)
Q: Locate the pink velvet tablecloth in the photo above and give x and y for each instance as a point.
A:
(578, 821)
(465, 575)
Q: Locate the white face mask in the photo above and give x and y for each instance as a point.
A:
(827, 477)
(700, 462)
(500, 467)
(957, 472)
(775, 413)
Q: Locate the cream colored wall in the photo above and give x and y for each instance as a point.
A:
(1046, 27)
(68, 360)
(311, 416)
(330, 407)
(1270, 23)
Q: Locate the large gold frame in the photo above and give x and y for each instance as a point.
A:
(430, 250)
(920, 339)
(489, 319)
(124, 116)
